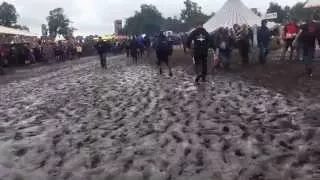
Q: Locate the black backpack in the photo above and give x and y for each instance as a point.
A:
(164, 46)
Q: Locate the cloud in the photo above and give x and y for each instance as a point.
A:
(97, 16)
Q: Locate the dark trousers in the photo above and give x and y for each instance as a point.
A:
(288, 44)
(134, 55)
(264, 51)
(1, 66)
(128, 52)
(201, 64)
(164, 59)
(244, 52)
(102, 60)
(308, 56)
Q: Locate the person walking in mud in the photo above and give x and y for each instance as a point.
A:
(127, 47)
(134, 50)
(264, 37)
(290, 32)
(307, 36)
(201, 39)
(163, 51)
(100, 47)
(147, 44)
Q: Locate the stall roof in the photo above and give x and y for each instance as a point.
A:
(7, 30)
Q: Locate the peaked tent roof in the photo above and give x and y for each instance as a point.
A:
(312, 3)
(232, 12)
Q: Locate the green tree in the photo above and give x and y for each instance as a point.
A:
(58, 23)
(80, 39)
(192, 14)
(8, 14)
(21, 27)
(255, 11)
(148, 20)
(276, 8)
(298, 12)
(174, 24)
(44, 30)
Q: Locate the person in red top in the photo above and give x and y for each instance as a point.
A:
(290, 32)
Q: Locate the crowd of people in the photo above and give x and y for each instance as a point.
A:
(301, 39)
(12, 55)
(135, 47)
(222, 42)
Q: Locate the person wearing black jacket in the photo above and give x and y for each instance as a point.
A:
(264, 37)
(134, 46)
(310, 32)
(201, 39)
(101, 49)
(163, 51)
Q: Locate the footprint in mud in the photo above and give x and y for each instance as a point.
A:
(18, 136)
(206, 143)
(127, 165)
(200, 158)
(20, 151)
(177, 136)
(164, 143)
(187, 123)
(239, 152)
(95, 161)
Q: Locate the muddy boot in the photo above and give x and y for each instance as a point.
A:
(204, 79)
(197, 79)
(310, 72)
(170, 74)
(160, 71)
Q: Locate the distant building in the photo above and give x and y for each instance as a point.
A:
(117, 26)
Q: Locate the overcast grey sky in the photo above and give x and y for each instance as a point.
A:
(97, 16)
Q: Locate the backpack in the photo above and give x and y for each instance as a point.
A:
(164, 46)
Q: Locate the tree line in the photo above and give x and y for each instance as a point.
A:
(150, 20)
(296, 12)
(9, 17)
(58, 22)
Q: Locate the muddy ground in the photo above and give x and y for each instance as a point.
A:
(76, 121)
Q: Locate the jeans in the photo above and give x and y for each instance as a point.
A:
(102, 60)
(244, 52)
(299, 50)
(201, 63)
(308, 56)
(288, 44)
(225, 58)
(264, 51)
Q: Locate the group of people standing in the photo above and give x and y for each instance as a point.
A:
(223, 41)
(63, 51)
(137, 46)
(302, 39)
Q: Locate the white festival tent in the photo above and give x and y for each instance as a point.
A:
(232, 12)
(59, 38)
(12, 31)
(312, 3)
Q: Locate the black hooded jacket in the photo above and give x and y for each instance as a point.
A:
(201, 39)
